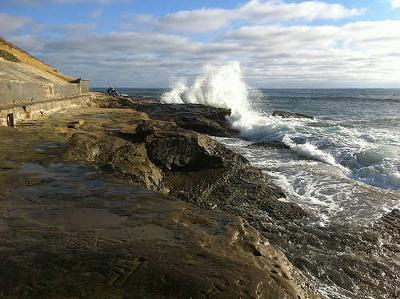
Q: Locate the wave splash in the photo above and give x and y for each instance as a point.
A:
(219, 86)
(222, 86)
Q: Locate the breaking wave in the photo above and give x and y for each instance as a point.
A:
(222, 86)
(219, 86)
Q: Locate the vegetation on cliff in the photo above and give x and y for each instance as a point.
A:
(8, 56)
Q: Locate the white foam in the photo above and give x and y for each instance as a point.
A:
(311, 151)
(223, 86)
(219, 86)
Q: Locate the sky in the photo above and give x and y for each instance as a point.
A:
(154, 43)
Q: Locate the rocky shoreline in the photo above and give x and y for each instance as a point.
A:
(130, 199)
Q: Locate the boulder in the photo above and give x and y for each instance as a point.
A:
(287, 114)
(199, 118)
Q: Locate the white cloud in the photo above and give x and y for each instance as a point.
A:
(254, 11)
(10, 23)
(271, 49)
(395, 3)
(354, 53)
(196, 21)
(308, 10)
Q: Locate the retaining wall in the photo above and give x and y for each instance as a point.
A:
(36, 110)
(23, 93)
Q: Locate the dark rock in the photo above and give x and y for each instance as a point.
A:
(172, 148)
(143, 130)
(202, 171)
(389, 224)
(269, 144)
(199, 118)
(287, 114)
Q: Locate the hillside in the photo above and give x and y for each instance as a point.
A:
(10, 52)
(11, 72)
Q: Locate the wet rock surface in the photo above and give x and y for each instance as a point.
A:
(288, 114)
(269, 144)
(180, 162)
(91, 230)
(389, 228)
(198, 118)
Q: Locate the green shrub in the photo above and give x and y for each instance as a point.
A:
(8, 56)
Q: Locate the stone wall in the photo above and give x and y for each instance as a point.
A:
(85, 86)
(34, 110)
(23, 93)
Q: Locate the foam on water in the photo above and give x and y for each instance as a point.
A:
(223, 86)
(348, 148)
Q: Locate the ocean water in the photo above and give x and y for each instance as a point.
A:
(354, 140)
(343, 167)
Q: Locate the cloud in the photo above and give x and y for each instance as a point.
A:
(255, 11)
(138, 22)
(96, 13)
(276, 42)
(308, 10)
(75, 28)
(197, 21)
(305, 54)
(395, 3)
(354, 52)
(10, 23)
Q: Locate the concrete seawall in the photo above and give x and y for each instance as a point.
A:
(42, 108)
(25, 93)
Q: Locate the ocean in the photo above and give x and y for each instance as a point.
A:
(343, 167)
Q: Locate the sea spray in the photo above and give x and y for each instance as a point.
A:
(219, 86)
(223, 86)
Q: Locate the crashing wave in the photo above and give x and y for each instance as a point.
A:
(222, 86)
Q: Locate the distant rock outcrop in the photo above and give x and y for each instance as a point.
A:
(287, 114)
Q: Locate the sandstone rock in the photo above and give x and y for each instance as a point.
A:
(184, 164)
(69, 231)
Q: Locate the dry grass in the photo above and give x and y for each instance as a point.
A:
(25, 57)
